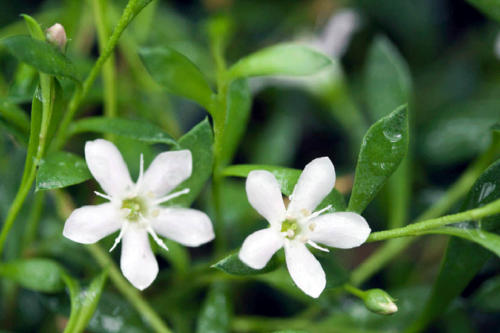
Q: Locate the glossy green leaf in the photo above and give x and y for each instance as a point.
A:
(88, 300)
(34, 27)
(239, 101)
(387, 86)
(463, 259)
(41, 55)
(61, 169)
(134, 129)
(282, 59)
(177, 74)
(486, 239)
(215, 315)
(234, 266)
(199, 140)
(387, 79)
(42, 275)
(490, 8)
(384, 147)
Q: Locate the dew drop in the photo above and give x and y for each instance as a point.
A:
(392, 136)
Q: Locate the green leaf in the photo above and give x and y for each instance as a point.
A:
(490, 8)
(215, 315)
(177, 255)
(486, 239)
(41, 55)
(88, 300)
(134, 129)
(42, 275)
(199, 140)
(177, 74)
(387, 79)
(14, 115)
(463, 259)
(282, 59)
(33, 27)
(487, 297)
(287, 178)
(239, 101)
(234, 266)
(61, 169)
(384, 147)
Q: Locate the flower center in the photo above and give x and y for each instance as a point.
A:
(135, 207)
(291, 228)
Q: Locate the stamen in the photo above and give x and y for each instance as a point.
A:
(316, 246)
(156, 238)
(319, 212)
(119, 238)
(141, 172)
(170, 196)
(102, 195)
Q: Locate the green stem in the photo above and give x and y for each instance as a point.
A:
(46, 86)
(396, 246)
(130, 293)
(33, 220)
(108, 69)
(419, 227)
(354, 291)
(131, 10)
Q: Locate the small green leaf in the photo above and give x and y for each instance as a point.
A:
(88, 300)
(283, 59)
(383, 148)
(286, 177)
(41, 55)
(14, 115)
(61, 169)
(215, 315)
(490, 8)
(487, 297)
(33, 27)
(387, 79)
(463, 259)
(134, 129)
(36, 274)
(199, 140)
(177, 74)
(239, 101)
(234, 266)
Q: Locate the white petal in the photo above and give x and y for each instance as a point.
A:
(314, 184)
(259, 247)
(342, 230)
(89, 224)
(304, 268)
(189, 227)
(107, 166)
(167, 170)
(264, 194)
(138, 262)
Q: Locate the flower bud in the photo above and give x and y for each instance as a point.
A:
(56, 36)
(378, 301)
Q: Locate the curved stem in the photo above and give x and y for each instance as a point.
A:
(131, 10)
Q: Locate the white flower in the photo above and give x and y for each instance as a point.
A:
(297, 225)
(135, 209)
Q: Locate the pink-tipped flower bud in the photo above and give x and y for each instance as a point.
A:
(56, 35)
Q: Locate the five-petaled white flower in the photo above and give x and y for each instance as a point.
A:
(297, 225)
(135, 209)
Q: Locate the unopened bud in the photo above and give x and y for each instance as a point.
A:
(378, 301)
(56, 36)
